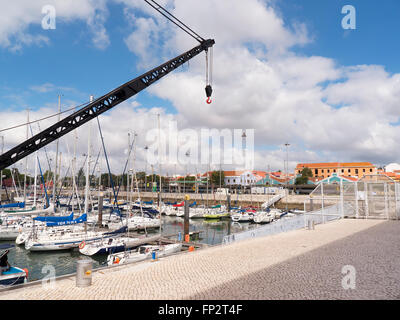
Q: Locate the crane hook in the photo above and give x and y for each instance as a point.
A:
(208, 93)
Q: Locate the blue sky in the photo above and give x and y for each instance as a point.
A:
(69, 63)
(373, 42)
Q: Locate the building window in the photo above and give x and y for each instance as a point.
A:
(356, 171)
(370, 170)
(342, 170)
(316, 171)
(348, 170)
(322, 170)
(363, 170)
(334, 170)
(329, 170)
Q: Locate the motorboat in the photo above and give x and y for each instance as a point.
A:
(14, 275)
(142, 253)
(243, 216)
(267, 215)
(262, 217)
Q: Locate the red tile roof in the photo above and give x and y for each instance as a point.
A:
(335, 165)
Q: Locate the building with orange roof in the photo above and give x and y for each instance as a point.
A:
(393, 175)
(345, 169)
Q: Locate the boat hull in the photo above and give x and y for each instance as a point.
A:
(137, 257)
(92, 249)
(8, 235)
(12, 277)
(56, 245)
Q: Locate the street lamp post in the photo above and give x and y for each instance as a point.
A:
(145, 171)
(184, 179)
(244, 136)
(287, 172)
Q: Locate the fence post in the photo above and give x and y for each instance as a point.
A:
(385, 191)
(356, 197)
(396, 198)
(322, 201)
(341, 198)
(366, 200)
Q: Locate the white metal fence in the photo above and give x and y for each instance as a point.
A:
(281, 225)
(286, 224)
(326, 214)
(371, 197)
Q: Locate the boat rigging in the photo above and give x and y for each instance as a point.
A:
(111, 99)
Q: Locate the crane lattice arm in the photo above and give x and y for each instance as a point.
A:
(97, 107)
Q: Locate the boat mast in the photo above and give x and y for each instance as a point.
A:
(127, 175)
(159, 165)
(26, 159)
(13, 181)
(35, 182)
(56, 162)
(88, 171)
(1, 172)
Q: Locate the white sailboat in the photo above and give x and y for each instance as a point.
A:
(109, 245)
(61, 241)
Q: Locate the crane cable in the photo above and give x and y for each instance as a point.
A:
(45, 118)
(194, 35)
(209, 67)
(174, 20)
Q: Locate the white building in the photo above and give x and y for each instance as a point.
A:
(242, 178)
(392, 167)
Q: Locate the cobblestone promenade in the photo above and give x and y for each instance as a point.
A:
(302, 264)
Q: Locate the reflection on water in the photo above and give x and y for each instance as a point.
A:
(64, 262)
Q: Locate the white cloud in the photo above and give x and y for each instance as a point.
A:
(334, 113)
(17, 16)
(327, 112)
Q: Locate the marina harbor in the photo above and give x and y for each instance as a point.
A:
(184, 150)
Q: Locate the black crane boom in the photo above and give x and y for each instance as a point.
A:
(97, 107)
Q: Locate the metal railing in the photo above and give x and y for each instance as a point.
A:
(279, 226)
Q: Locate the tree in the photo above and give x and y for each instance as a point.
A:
(306, 173)
(218, 177)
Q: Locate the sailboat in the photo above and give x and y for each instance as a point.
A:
(66, 238)
(114, 244)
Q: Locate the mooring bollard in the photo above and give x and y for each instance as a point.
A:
(84, 273)
(191, 248)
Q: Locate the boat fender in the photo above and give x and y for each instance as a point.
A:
(26, 272)
(147, 250)
(82, 245)
(116, 260)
